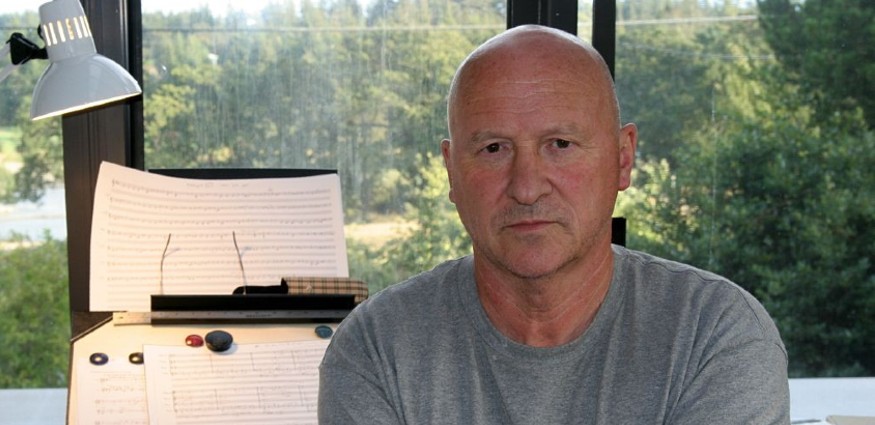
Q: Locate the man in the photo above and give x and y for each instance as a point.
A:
(547, 322)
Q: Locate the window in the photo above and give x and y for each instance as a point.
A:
(746, 137)
(35, 323)
(753, 159)
(352, 86)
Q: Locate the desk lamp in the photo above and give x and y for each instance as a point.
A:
(77, 77)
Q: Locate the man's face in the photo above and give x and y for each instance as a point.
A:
(535, 166)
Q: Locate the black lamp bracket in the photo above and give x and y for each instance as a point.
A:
(23, 50)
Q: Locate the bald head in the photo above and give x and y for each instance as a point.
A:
(536, 157)
(530, 52)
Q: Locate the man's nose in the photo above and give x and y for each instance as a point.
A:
(528, 176)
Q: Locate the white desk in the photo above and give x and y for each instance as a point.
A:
(118, 342)
(818, 398)
(810, 399)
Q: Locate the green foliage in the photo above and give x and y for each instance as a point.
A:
(9, 137)
(41, 154)
(35, 326)
(764, 170)
(18, 86)
(438, 235)
(672, 78)
(826, 47)
(325, 85)
(785, 209)
(35, 319)
(35, 164)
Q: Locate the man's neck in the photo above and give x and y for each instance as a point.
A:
(548, 311)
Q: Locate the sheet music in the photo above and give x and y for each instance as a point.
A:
(111, 394)
(153, 234)
(270, 383)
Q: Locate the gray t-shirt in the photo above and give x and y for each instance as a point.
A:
(670, 344)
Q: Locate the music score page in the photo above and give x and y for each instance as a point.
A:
(271, 383)
(154, 234)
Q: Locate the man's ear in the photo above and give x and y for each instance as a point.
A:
(445, 151)
(628, 145)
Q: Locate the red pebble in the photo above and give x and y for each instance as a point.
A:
(194, 341)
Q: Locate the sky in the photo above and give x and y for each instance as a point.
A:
(218, 6)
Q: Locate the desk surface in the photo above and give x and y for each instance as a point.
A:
(810, 398)
(118, 342)
(818, 398)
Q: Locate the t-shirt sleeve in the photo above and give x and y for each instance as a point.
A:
(351, 387)
(741, 377)
(747, 385)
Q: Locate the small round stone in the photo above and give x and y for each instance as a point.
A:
(136, 358)
(98, 359)
(219, 341)
(194, 341)
(324, 331)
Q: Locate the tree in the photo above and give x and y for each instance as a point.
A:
(19, 84)
(671, 73)
(326, 85)
(826, 48)
(437, 236)
(41, 155)
(783, 206)
(33, 284)
(39, 146)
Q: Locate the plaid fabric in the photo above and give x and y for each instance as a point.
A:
(327, 285)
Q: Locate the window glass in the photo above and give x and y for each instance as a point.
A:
(584, 19)
(358, 87)
(34, 324)
(755, 159)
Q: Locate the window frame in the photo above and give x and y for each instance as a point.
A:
(116, 133)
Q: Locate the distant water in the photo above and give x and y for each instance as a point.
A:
(32, 219)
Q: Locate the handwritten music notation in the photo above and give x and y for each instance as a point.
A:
(155, 234)
(270, 383)
(112, 394)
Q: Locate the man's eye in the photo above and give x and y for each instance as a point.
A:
(493, 148)
(562, 144)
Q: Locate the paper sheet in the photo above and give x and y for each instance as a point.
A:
(111, 394)
(153, 234)
(271, 383)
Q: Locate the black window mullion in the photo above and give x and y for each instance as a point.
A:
(91, 137)
(562, 14)
(604, 30)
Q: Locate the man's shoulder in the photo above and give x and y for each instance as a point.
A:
(651, 273)
(662, 284)
(638, 261)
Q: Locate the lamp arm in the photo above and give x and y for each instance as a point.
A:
(22, 50)
(6, 70)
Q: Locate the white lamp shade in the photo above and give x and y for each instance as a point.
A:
(80, 83)
(77, 77)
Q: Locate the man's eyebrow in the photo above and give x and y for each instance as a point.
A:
(584, 132)
(479, 136)
(482, 135)
(565, 129)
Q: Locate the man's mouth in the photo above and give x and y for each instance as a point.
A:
(529, 225)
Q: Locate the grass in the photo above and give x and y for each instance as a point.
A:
(376, 234)
(9, 138)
